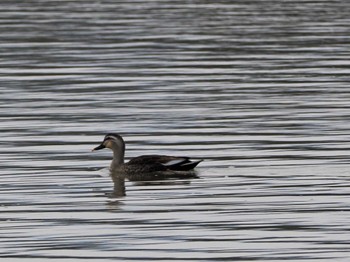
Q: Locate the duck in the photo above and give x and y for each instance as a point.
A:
(145, 167)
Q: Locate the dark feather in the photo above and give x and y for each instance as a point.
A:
(161, 162)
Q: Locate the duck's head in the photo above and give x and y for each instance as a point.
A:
(111, 141)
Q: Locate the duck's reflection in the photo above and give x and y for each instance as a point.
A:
(119, 186)
(119, 189)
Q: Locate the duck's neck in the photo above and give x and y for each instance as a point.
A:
(118, 156)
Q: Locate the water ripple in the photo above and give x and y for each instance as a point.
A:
(259, 91)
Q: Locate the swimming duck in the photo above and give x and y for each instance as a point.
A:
(146, 166)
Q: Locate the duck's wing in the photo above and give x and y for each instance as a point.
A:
(181, 164)
(169, 162)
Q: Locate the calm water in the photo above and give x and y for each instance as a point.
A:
(259, 89)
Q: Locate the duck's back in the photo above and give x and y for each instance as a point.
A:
(163, 162)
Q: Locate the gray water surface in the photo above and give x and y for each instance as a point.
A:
(258, 89)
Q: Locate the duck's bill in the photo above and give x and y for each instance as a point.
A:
(99, 147)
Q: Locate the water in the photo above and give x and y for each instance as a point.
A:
(258, 89)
